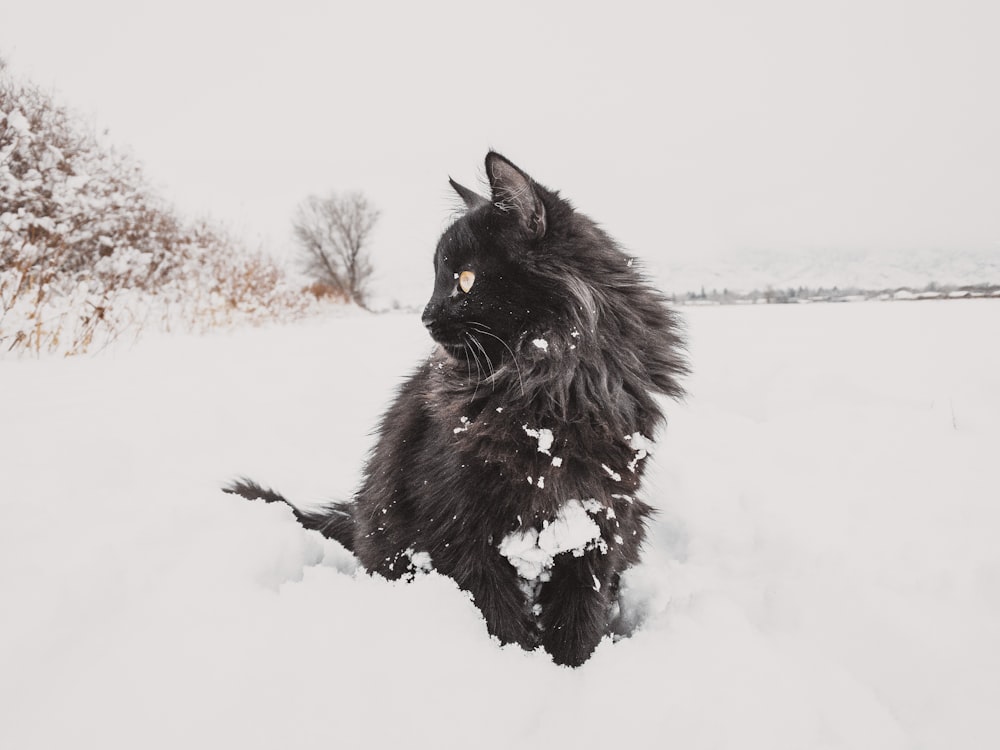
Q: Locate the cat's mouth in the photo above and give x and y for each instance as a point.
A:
(451, 341)
(457, 351)
(460, 349)
(474, 344)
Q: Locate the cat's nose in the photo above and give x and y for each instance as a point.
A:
(429, 315)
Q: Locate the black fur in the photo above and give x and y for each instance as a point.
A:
(461, 451)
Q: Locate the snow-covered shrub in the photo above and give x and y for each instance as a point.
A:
(89, 253)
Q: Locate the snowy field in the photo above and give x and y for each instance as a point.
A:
(824, 572)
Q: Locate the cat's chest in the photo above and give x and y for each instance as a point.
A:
(500, 470)
(541, 450)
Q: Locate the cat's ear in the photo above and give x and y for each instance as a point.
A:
(471, 198)
(514, 191)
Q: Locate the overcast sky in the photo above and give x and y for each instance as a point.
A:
(688, 129)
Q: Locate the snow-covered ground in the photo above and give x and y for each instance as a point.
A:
(824, 572)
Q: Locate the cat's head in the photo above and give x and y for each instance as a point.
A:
(521, 275)
(493, 283)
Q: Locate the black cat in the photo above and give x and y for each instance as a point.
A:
(511, 460)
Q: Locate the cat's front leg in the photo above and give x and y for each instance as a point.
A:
(499, 595)
(576, 606)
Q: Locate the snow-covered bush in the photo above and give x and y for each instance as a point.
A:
(89, 253)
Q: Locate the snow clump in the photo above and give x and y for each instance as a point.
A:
(544, 437)
(532, 551)
(642, 446)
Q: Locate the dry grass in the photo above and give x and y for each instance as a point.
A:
(90, 255)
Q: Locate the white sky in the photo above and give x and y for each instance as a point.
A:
(688, 129)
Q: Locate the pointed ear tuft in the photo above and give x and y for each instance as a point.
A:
(513, 190)
(471, 198)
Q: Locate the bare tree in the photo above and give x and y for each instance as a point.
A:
(333, 233)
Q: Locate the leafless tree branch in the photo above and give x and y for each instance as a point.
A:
(333, 234)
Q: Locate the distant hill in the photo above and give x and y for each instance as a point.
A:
(857, 271)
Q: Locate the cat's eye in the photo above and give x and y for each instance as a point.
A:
(465, 280)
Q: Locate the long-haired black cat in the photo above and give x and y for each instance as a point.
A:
(511, 460)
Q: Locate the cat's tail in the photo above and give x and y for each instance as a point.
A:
(335, 521)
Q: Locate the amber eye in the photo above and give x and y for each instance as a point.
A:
(465, 280)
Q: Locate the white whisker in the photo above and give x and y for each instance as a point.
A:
(479, 372)
(468, 365)
(513, 359)
(486, 356)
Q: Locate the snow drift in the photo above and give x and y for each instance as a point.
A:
(824, 570)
